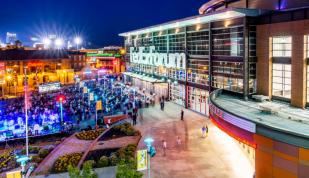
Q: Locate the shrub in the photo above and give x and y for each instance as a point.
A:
(89, 135)
(62, 163)
(36, 159)
(86, 172)
(113, 160)
(91, 162)
(103, 161)
(43, 152)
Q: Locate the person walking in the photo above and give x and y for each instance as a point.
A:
(181, 114)
(203, 131)
(164, 146)
(178, 142)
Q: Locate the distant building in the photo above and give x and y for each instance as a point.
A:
(11, 38)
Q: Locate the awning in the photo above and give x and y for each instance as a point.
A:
(143, 77)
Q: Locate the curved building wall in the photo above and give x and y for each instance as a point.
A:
(254, 4)
(274, 158)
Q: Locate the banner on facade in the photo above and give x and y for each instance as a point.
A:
(99, 105)
(142, 160)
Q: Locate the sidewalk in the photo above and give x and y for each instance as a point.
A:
(217, 156)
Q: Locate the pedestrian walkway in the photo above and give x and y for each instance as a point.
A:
(217, 156)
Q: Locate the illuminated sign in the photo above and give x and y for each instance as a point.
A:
(169, 60)
(103, 55)
(141, 160)
(234, 120)
(49, 87)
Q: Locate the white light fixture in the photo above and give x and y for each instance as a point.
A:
(46, 42)
(78, 40)
(59, 42)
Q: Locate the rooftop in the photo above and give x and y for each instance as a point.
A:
(286, 119)
(228, 13)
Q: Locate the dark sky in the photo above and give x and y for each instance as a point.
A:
(98, 21)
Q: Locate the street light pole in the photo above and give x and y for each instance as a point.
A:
(26, 112)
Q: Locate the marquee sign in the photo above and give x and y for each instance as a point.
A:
(234, 120)
(169, 60)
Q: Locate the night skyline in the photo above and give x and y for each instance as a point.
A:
(98, 22)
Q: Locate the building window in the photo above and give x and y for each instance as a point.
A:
(197, 100)
(228, 42)
(228, 76)
(198, 43)
(307, 83)
(282, 46)
(281, 82)
(198, 71)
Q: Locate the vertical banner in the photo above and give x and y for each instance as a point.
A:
(85, 90)
(81, 84)
(15, 174)
(142, 160)
(99, 105)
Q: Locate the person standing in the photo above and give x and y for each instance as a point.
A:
(203, 131)
(178, 142)
(181, 114)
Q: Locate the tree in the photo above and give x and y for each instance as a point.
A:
(86, 172)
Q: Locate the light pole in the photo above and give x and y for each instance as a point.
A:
(26, 111)
(148, 142)
(61, 99)
(96, 111)
(77, 41)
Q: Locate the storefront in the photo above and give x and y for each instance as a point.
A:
(198, 100)
(177, 93)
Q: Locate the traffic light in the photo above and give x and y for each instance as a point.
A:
(152, 151)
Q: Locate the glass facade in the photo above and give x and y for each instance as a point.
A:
(228, 42)
(177, 93)
(197, 100)
(282, 46)
(214, 58)
(228, 75)
(197, 43)
(198, 71)
(281, 80)
(307, 83)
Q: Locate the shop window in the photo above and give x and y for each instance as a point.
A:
(281, 80)
(282, 46)
(307, 83)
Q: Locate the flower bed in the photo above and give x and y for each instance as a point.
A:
(123, 130)
(62, 163)
(89, 135)
(7, 161)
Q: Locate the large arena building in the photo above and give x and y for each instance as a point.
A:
(245, 64)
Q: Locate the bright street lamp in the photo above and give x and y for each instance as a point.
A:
(78, 41)
(46, 42)
(59, 43)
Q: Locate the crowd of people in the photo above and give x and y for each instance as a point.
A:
(44, 112)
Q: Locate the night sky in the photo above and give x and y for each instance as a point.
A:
(98, 21)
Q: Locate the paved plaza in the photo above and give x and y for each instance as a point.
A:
(217, 156)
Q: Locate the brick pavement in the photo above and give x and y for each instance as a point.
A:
(217, 156)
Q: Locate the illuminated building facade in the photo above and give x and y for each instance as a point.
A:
(107, 60)
(235, 54)
(43, 66)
